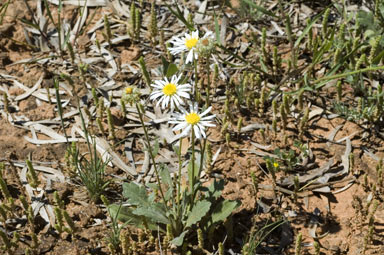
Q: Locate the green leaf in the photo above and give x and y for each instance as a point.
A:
(365, 19)
(178, 241)
(126, 215)
(217, 30)
(27, 22)
(259, 8)
(153, 214)
(378, 57)
(168, 194)
(180, 16)
(136, 195)
(223, 210)
(199, 211)
(165, 64)
(306, 30)
(123, 214)
(172, 69)
(215, 188)
(166, 176)
(155, 148)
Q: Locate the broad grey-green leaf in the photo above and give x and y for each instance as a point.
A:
(199, 211)
(223, 210)
(136, 195)
(215, 188)
(126, 215)
(172, 69)
(165, 64)
(168, 194)
(365, 19)
(178, 241)
(166, 176)
(155, 148)
(153, 214)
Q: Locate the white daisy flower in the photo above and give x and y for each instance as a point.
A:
(192, 119)
(170, 92)
(188, 43)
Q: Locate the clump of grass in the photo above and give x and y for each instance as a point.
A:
(258, 235)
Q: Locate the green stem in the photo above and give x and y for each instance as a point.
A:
(256, 68)
(179, 173)
(196, 78)
(192, 181)
(178, 195)
(151, 154)
(337, 76)
(207, 103)
(202, 150)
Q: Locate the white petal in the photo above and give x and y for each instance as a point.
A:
(209, 117)
(158, 102)
(172, 104)
(202, 131)
(189, 57)
(185, 86)
(207, 124)
(206, 111)
(195, 34)
(195, 107)
(175, 121)
(155, 96)
(174, 79)
(197, 131)
(183, 94)
(186, 131)
(160, 83)
(165, 102)
(208, 34)
(178, 100)
(182, 109)
(180, 126)
(178, 78)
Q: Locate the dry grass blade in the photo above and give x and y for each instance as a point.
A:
(310, 175)
(78, 26)
(333, 134)
(199, 17)
(36, 196)
(88, 3)
(128, 151)
(107, 153)
(28, 91)
(49, 172)
(345, 157)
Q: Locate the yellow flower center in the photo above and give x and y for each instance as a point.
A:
(169, 89)
(190, 43)
(128, 90)
(276, 165)
(192, 118)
